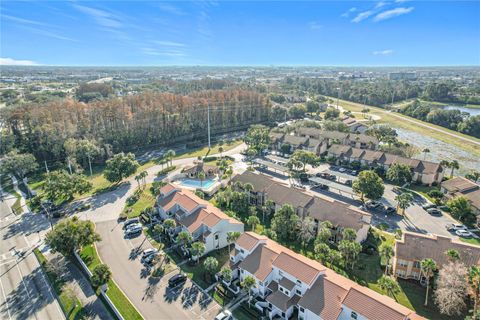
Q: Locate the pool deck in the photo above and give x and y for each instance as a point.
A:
(207, 190)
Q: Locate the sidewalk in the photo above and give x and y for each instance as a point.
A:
(92, 304)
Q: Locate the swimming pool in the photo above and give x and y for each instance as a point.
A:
(194, 183)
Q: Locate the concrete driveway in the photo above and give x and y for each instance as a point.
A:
(151, 296)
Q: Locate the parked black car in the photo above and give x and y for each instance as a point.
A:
(176, 280)
(130, 222)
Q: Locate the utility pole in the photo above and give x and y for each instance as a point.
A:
(69, 165)
(46, 167)
(48, 216)
(90, 164)
(208, 123)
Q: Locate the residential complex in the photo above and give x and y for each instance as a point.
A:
(288, 283)
(414, 247)
(340, 214)
(318, 141)
(424, 172)
(201, 219)
(460, 186)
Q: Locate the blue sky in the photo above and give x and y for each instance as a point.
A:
(130, 33)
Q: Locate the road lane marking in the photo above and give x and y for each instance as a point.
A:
(23, 281)
(49, 289)
(5, 298)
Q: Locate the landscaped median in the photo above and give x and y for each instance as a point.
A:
(71, 305)
(124, 306)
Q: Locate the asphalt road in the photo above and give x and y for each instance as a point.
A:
(150, 295)
(25, 292)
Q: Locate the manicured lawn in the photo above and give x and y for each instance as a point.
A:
(90, 256)
(423, 190)
(214, 150)
(17, 207)
(388, 118)
(471, 241)
(197, 272)
(72, 307)
(244, 312)
(146, 199)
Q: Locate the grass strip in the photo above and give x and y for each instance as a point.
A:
(72, 307)
(91, 258)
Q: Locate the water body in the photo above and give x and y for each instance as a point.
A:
(471, 111)
(440, 150)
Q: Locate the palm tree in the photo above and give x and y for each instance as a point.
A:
(226, 273)
(248, 284)
(158, 229)
(201, 177)
(198, 248)
(322, 252)
(232, 236)
(229, 173)
(428, 267)
(454, 165)
(143, 175)
(404, 200)
(169, 155)
(184, 237)
(252, 221)
(349, 234)
(138, 178)
(390, 285)
(220, 149)
(211, 265)
(248, 187)
(425, 151)
(452, 255)
(169, 223)
(386, 253)
(474, 283)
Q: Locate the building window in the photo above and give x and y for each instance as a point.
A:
(281, 289)
(241, 271)
(216, 237)
(280, 273)
(299, 292)
(353, 315)
(402, 263)
(287, 292)
(241, 250)
(283, 314)
(299, 282)
(260, 283)
(302, 310)
(417, 264)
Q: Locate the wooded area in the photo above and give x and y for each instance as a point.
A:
(134, 121)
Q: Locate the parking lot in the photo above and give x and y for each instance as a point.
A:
(150, 295)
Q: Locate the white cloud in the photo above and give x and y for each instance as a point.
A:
(171, 9)
(392, 13)
(169, 43)
(362, 16)
(22, 20)
(386, 52)
(380, 4)
(314, 25)
(401, 1)
(167, 53)
(101, 17)
(347, 13)
(13, 62)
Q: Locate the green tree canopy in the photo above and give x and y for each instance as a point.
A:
(101, 274)
(368, 185)
(461, 209)
(257, 138)
(399, 173)
(18, 164)
(120, 166)
(71, 234)
(59, 185)
(284, 223)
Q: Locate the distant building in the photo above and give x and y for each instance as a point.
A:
(414, 247)
(402, 76)
(463, 187)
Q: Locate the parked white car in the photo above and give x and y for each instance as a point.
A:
(463, 233)
(224, 315)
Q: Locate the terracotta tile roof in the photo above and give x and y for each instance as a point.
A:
(416, 247)
(338, 213)
(459, 184)
(248, 240)
(201, 211)
(167, 188)
(298, 266)
(373, 305)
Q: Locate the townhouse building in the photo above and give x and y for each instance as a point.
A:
(318, 141)
(424, 172)
(202, 220)
(340, 214)
(460, 186)
(414, 247)
(288, 283)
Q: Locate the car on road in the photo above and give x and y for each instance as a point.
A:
(354, 173)
(224, 315)
(176, 280)
(428, 206)
(373, 204)
(455, 227)
(463, 233)
(434, 212)
(148, 259)
(348, 182)
(322, 186)
(342, 170)
(326, 175)
(390, 210)
(130, 222)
